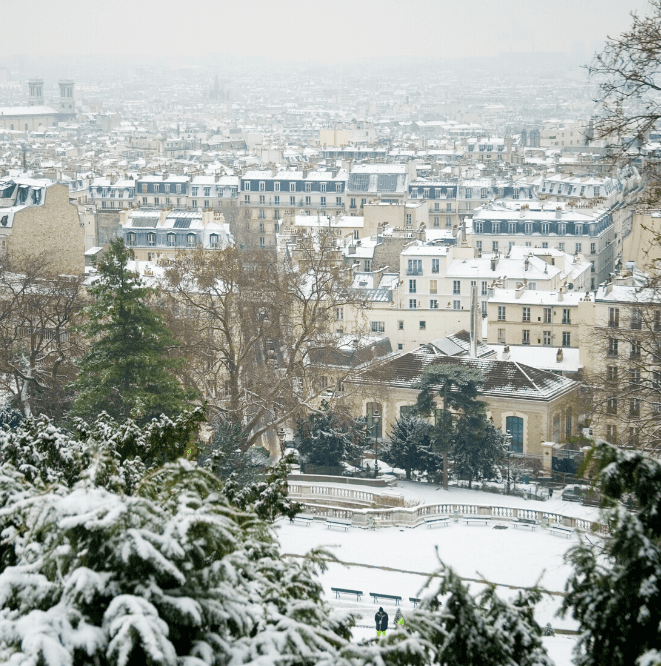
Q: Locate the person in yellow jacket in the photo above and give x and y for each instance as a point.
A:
(399, 618)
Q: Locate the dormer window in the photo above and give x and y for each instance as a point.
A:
(130, 239)
(262, 186)
(171, 240)
(213, 240)
(191, 240)
(151, 239)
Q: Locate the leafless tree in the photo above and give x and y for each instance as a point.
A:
(627, 72)
(260, 333)
(39, 311)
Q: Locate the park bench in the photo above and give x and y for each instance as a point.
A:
(565, 531)
(415, 601)
(441, 520)
(525, 522)
(302, 518)
(376, 596)
(338, 522)
(339, 590)
(474, 520)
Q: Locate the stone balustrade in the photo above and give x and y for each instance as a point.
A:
(345, 497)
(413, 516)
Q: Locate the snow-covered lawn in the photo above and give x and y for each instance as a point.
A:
(509, 557)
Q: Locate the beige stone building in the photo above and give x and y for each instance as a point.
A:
(536, 318)
(642, 244)
(38, 220)
(533, 405)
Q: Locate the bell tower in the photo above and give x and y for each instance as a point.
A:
(67, 104)
(36, 92)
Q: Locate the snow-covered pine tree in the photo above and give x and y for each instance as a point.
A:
(126, 371)
(481, 631)
(614, 591)
(119, 453)
(324, 439)
(171, 575)
(477, 445)
(410, 446)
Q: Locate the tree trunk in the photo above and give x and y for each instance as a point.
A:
(445, 438)
(408, 473)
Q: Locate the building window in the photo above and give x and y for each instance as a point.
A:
(246, 198)
(262, 199)
(246, 186)
(435, 265)
(548, 318)
(322, 187)
(479, 227)
(131, 239)
(614, 317)
(276, 187)
(612, 347)
(611, 434)
(158, 201)
(484, 288)
(561, 247)
(262, 241)
(478, 246)
(338, 187)
(501, 313)
(547, 338)
(378, 327)
(634, 407)
(262, 214)
(151, 239)
(634, 438)
(611, 406)
(338, 201)
(566, 339)
(593, 248)
(433, 304)
(511, 227)
(339, 314)
(400, 325)
(566, 316)
(292, 201)
(495, 227)
(213, 240)
(292, 187)
(191, 240)
(501, 336)
(262, 186)
(634, 378)
(526, 314)
(433, 286)
(494, 246)
(525, 339)
(611, 373)
(322, 201)
(636, 319)
(635, 349)
(423, 325)
(171, 238)
(448, 222)
(368, 265)
(578, 229)
(437, 222)
(456, 305)
(261, 228)
(400, 346)
(456, 286)
(578, 248)
(413, 286)
(408, 219)
(413, 304)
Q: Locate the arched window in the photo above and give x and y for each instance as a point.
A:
(514, 425)
(191, 240)
(151, 239)
(213, 240)
(131, 239)
(374, 419)
(171, 238)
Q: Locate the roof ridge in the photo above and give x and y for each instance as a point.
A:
(530, 379)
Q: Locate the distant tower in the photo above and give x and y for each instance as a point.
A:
(36, 92)
(67, 103)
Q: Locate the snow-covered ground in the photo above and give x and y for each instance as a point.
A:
(398, 561)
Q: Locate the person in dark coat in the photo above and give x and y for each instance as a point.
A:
(381, 619)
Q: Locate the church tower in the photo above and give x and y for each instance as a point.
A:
(36, 92)
(67, 104)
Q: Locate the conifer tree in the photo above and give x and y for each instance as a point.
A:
(127, 369)
(410, 446)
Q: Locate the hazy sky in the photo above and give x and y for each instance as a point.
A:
(328, 30)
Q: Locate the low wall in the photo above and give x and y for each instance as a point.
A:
(303, 491)
(348, 480)
(412, 517)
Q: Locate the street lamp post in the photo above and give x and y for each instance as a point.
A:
(508, 439)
